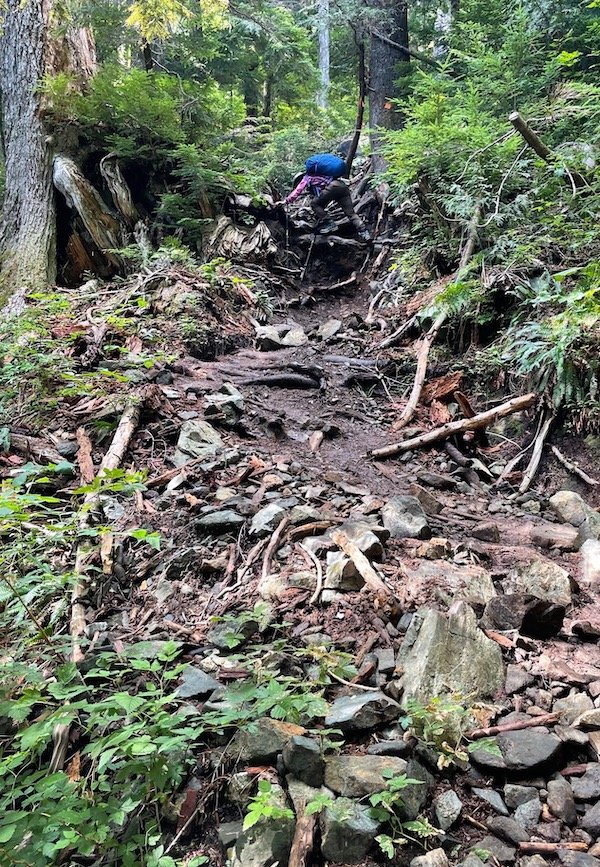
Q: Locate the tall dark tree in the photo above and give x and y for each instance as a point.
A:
(388, 62)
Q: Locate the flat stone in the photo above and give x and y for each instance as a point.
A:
(486, 531)
(301, 794)
(508, 829)
(266, 520)
(533, 861)
(229, 832)
(536, 618)
(587, 787)
(541, 578)
(501, 851)
(399, 748)
(491, 797)
(240, 789)
(442, 654)
(341, 573)
(589, 720)
(163, 590)
(268, 842)
(573, 509)
(430, 505)
(572, 706)
(591, 820)
(404, 517)
(386, 660)
(434, 858)
(294, 337)
(328, 329)
(561, 537)
(528, 814)
(219, 522)
(436, 548)
(447, 808)
(302, 758)
(304, 515)
(450, 582)
(577, 859)
(195, 682)
(362, 711)
(516, 679)
(357, 776)
(524, 750)
(560, 800)
(264, 741)
(347, 832)
(442, 481)
(197, 439)
(515, 795)
(471, 861)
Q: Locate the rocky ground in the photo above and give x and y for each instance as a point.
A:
(347, 622)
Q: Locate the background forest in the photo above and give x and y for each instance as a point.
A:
(196, 101)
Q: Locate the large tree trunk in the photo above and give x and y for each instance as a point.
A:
(323, 20)
(387, 63)
(28, 221)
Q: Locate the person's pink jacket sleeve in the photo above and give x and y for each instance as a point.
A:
(298, 191)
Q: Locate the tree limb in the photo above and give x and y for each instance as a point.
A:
(429, 61)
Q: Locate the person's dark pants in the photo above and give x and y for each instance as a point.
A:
(337, 192)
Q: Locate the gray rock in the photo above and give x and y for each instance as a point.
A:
(528, 814)
(451, 582)
(301, 794)
(268, 842)
(267, 338)
(302, 758)
(591, 820)
(515, 795)
(266, 520)
(357, 776)
(368, 538)
(572, 706)
(398, 748)
(163, 590)
(347, 831)
(386, 660)
(508, 829)
(240, 789)
(362, 711)
(219, 522)
(229, 832)
(590, 561)
(577, 859)
(533, 861)
(502, 852)
(516, 679)
(572, 509)
(541, 578)
(587, 787)
(224, 406)
(471, 861)
(414, 798)
(492, 797)
(534, 617)
(304, 515)
(524, 750)
(434, 858)
(404, 517)
(263, 742)
(560, 800)
(589, 720)
(197, 439)
(195, 682)
(447, 808)
(442, 654)
(328, 329)
(341, 573)
(294, 337)
(487, 532)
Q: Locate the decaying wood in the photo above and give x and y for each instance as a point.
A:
(166, 477)
(283, 380)
(112, 459)
(481, 420)
(273, 545)
(533, 847)
(84, 199)
(119, 189)
(351, 550)
(443, 386)
(319, 570)
(490, 731)
(572, 467)
(35, 447)
(538, 146)
(60, 738)
(313, 528)
(302, 844)
(457, 456)
(536, 455)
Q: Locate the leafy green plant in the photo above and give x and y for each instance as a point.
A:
(266, 804)
(386, 806)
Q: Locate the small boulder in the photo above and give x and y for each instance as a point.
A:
(434, 858)
(590, 562)
(560, 800)
(266, 520)
(543, 579)
(219, 523)
(572, 509)
(195, 682)
(447, 808)
(508, 829)
(197, 439)
(357, 776)
(341, 573)
(524, 750)
(499, 850)
(587, 787)
(362, 711)
(572, 706)
(269, 841)
(302, 758)
(492, 797)
(404, 517)
(347, 831)
(261, 744)
(591, 820)
(536, 618)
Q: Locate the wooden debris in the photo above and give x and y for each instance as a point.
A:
(84, 456)
(537, 847)
(37, 448)
(573, 468)
(302, 844)
(273, 545)
(538, 146)
(538, 446)
(490, 731)
(481, 420)
(442, 387)
(370, 576)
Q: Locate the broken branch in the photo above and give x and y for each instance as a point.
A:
(490, 731)
(351, 549)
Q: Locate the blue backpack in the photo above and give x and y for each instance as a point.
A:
(326, 165)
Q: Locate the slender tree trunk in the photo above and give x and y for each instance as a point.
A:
(251, 93)
(268, 100)
(362, 97)
(28, 221)
(387, 64)
(323, 19)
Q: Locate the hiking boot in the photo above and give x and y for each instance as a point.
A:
(327, 226)
(363, 234)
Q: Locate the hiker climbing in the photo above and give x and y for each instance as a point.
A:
(323, 180)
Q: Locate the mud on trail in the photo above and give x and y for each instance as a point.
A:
(286, 549)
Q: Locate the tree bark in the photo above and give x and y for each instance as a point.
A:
(28, 222)
(323, 19)
(362, 98)
(388, 61)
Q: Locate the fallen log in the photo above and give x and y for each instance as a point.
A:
(283, 380)
(481, 420)
(490, 731)
(351, 549)
(35, 447)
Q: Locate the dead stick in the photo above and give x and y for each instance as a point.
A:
(573, 468)
(490, 731)
(84, 456)
(351, 549)
(319, 569)
(112, 459)
(536, 455)
(272, 546)
(538, 146)
(302, 844)
(533, 847)
(482, 419)
(471, 820)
